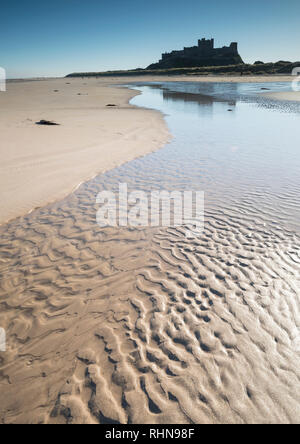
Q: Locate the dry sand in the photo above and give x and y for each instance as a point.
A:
(39, 164)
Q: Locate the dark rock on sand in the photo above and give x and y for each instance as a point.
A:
(46, 122)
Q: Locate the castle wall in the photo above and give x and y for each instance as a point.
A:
(202, 55)
(205, 48)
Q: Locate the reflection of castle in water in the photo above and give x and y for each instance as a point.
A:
(204, 95)
(199, 92)
(200, 99)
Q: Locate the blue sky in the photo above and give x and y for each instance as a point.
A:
(54, 38)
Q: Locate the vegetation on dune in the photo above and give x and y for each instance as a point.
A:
(258, 68)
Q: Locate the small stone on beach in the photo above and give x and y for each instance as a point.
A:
(46, 122)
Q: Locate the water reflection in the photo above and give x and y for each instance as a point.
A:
(248, 154)
(204, 103)
(229, 91)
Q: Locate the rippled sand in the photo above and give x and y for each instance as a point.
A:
(145, 325)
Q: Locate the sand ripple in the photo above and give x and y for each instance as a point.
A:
(133, 326)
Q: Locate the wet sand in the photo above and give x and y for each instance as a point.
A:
(293, 96)
(144, 325)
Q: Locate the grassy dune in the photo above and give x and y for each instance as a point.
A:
(280, 67)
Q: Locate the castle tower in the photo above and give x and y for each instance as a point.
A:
(206, 45)
(234, 47)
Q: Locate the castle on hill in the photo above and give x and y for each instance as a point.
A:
(204, 54)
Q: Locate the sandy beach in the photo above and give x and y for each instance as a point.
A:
(149, 215)
(39, 164)
(141, 325)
